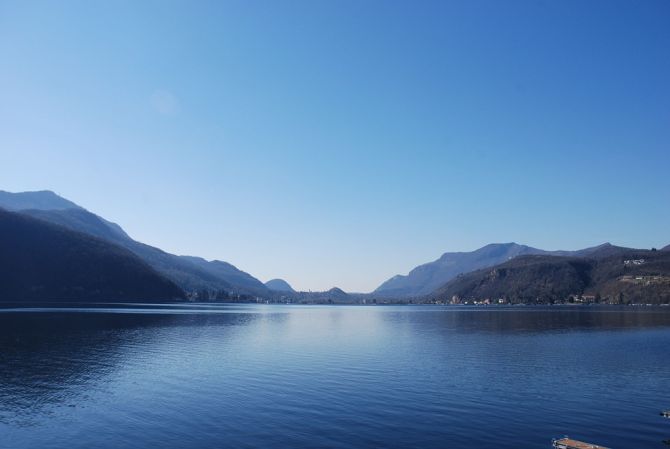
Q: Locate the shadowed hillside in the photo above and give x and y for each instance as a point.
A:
(279, 285)
(41, 261)
(424, 279)
(633, 276)
(190, 273)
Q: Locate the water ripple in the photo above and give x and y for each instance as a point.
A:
(201, 376)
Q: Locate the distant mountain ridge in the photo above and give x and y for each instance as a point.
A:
(218, 279)
(40, 200)
(190, 273)
(279, 285)
(629, 276)
(41, 261)
(337, 293)
(425, 278)
(333, 296)
(80, 220)
(230, 273)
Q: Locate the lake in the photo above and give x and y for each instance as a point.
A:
(264, 376)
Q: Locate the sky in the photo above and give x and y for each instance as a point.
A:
(338, 143)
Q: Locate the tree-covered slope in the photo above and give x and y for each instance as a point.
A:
(425, 278)
(190, 273)
(279, 285)
(40, 261)
(633, 276)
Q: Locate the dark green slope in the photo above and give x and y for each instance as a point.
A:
(523, 279)
(238, 279)
(625, 276)
(425, 278)
(81, 220)
(621, 279)
(190, 273)
(40, 261)
(177, 268)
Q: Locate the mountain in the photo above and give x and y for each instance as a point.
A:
(80, 220)
(279, 285)
(231, 274)
(596, 252)
(522, 279)
(180, 270)
(333, 296)
(190, 273)
(632, 276)
(42, 200)
(337, 293)
(424, 279)
(666, 248)
(42, 261)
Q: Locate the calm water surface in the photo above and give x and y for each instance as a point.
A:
(332, 377)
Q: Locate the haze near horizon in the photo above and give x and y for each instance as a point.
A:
(337, 144)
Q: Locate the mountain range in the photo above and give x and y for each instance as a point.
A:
(41, 200)
(189, 273)
(41, 261)
(510, 270)
(616, 276)
(428, 277)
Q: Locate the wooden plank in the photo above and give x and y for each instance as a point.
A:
(569, 443)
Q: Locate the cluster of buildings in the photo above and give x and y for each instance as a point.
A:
(582, 298)
(486, 301)
(646, 280)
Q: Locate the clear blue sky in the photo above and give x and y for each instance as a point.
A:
(342, 142)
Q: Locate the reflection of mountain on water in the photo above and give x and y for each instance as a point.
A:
(197, 376)
(551, 319)
(51, 358)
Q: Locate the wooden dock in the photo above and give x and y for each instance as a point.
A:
(569, 443)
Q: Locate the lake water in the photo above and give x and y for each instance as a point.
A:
(253, 376)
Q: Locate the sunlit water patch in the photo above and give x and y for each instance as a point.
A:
(217, 376)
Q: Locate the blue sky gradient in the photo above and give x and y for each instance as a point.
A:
(342, 142)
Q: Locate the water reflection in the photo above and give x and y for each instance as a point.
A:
(549, 319)
(49, 358)
(318, 376)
